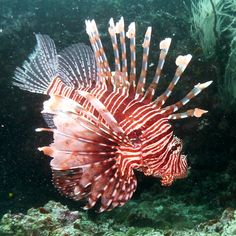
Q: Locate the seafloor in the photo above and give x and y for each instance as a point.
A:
(201, 204)
(54, 219)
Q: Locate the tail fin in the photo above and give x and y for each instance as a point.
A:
(37, 73)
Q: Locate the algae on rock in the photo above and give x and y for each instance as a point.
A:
(209, 20)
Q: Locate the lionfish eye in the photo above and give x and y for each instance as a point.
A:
(173, 148)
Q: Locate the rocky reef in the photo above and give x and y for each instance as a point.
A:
(51, 219)
(55, 219)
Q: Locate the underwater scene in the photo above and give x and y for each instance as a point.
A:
(118, 117)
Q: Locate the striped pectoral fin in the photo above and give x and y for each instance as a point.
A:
(76, 147)
(123, 183)
(99, 186)
(99, 183)
(92, 177)
(66, 182)
(83, 181)
(69, 153)
(85, 153)
(114, 187)
(124, 191)
(118, 190)
(81, 151)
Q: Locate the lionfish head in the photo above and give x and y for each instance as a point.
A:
(175, 161)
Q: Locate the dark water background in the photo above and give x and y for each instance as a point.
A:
(25, 176)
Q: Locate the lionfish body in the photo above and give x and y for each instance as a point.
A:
(106, 124)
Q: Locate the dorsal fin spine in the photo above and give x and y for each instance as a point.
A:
(145, 45)
(164, 46)
(112, 32)
(131, 34)
(193, 93)
(196, 112)
(181, 62)
(120, 28)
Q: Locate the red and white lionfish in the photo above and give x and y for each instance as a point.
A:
(106, 124)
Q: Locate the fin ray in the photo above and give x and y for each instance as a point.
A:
(37, 73)
(77, 66)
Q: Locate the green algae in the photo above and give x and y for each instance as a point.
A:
(54, 219)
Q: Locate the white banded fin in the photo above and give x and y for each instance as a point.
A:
(165, 44)
(131, 31)
(183, 61)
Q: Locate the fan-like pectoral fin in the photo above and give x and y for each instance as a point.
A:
(97, 182)
(112, 189)
(86, 157)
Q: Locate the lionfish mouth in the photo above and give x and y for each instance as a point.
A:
(105, 123)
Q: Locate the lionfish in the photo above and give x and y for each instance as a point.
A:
(105, 123)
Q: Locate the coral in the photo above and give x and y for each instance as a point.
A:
(209, 20)
(54, 219)
(228, 85)
(161, 211)
(225, 226)
(214, 28)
